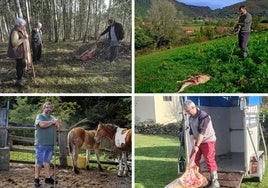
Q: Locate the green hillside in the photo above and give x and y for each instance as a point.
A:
(159, 71)
(256, 7)
(141, 7)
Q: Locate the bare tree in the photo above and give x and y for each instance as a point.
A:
(18, 8)
(56, 33)
(28, 16)
(88, 22)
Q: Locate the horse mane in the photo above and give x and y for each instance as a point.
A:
(109, 126)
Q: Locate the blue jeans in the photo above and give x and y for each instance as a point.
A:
(43, 154)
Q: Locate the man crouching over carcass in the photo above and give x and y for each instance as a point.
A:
(203, 139)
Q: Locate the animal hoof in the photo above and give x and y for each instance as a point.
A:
(87, 167)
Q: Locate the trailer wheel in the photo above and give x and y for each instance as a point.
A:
(261, 168)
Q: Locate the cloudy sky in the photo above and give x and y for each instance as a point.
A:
(213, 4)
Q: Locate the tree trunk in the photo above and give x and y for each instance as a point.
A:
(56, 33)
(65, 17)
(88, 21)
(28, 16)
(18, 8)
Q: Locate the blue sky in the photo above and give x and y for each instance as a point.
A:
(213, 4)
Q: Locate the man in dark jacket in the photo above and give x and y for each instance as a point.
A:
(37, 42)
(116, 35)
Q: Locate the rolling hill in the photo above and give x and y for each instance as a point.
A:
(256, 7)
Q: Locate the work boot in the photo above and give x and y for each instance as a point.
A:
(37, 182)
(214, 180)
(50, 181)
(19, 83)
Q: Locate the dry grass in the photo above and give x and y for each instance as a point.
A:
(59, 72)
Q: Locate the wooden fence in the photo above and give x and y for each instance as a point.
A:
(61, 142)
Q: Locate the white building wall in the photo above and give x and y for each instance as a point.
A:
(144, 108)
(160, 109)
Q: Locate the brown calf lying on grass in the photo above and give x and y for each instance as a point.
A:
(193, 80)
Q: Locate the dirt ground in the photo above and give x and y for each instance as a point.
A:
(22, 175)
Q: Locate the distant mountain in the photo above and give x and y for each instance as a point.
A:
(141, 7)
(191, 10)
(255, 7)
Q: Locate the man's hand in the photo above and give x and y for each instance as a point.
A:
(236, 30)
(57, 124)
(26, 36)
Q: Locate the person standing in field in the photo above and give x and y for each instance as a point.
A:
(46, 126)
(18, 48)
(37, 42)
(116, 35)
(244, 28)
(203, 139)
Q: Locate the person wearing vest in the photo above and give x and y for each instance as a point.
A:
(116, 35)
(203, 139)
(46, 126)
(37, 42)
(17, 48)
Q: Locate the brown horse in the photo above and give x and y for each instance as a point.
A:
(121, 138)
(79, 138)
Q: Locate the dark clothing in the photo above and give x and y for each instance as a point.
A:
(246, 20)
(36, 44)
(37, 52)
(116, 33)
(21, 64)
(114, 53)
(36, 37)
(243, 41)
(119, 32)
(244, 33)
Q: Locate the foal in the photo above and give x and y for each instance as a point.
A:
(121, 139)
(79, 138)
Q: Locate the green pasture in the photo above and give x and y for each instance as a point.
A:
(156, 162)
(159, 72)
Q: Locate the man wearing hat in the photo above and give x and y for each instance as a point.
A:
(116, 35)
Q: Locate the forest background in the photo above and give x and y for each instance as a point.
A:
(69, 27)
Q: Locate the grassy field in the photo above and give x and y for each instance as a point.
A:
(159, 72)
(156, 162)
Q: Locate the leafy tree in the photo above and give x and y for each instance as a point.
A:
(23, 112)
(165, 29)
(142, 40)
(62, 110)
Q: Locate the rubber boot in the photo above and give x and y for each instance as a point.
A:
(214, 180)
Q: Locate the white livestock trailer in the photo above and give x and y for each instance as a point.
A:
(239, 135)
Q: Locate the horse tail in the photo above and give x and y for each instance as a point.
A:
(70, 141)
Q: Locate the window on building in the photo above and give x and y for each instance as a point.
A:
(167, 98)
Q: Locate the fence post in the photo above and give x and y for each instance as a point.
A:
(4, 149)
(62, 138)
